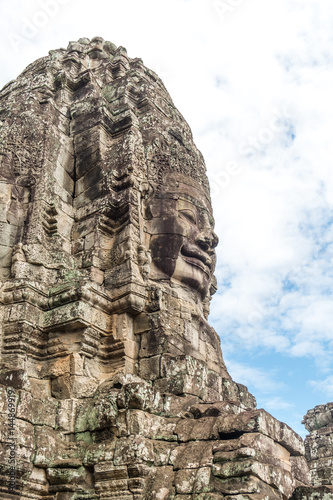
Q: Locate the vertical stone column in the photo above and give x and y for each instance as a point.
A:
(319, 444)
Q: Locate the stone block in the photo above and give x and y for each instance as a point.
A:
(183, 375)
(149, 368)
(158, 342)
(82, 228)
(256, 445)
(15, 378)
(97, 275)
(106, 470)
(40, 389)
(99, 453)
(97, 414)
(319, 444)
(90, 194)
(245, 486)
(192, 455)
(179, 406)
(56, 367)
(63, 179)
(141, 324)
(52, 449)
(64, 226)
(216, 409)
(66, 158)
(83, 387)
(8, 233)
(300, 471)
(140, 396)
(273, 476)
(313, 493)
(131, 349)
(230, 390)
(66, 476)
(5, 192)
(322, 471)
(162, 452)
(48, 446)
(151, 426)
(90, 174)
(3, 213)
(159, 484)
(189, 481)
(192, 430)
(36, 411)
(22, 432)
(133, 450)
(76, 364)
(262, 422)
(39, 481)
(61, 387)
(29, 312)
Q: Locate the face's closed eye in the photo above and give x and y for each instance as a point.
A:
(189, 215)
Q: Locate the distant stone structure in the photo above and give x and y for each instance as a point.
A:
(112, 383)
(319, 454)
(319, 444)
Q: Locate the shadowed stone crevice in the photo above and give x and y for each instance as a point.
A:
(74, 164)
(231, 435)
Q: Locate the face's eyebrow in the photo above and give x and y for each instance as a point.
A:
(194, 201)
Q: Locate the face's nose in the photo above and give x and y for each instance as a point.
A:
(207, 240)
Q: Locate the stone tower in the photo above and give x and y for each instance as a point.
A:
(112, 383)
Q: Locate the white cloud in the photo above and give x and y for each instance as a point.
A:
(324, 386)
(277, 403)
(262, 381)
(275, 216)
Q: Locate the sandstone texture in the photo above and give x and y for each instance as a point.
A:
(317, 493)
(319, 444)
(112, 382)
(319, 454)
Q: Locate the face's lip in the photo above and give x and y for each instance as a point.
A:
(197, 257)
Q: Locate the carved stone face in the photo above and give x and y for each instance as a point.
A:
(182, 240)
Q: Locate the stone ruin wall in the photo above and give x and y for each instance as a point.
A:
(319, 445)
(112, 383)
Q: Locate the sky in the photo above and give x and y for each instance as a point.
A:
(254, 80)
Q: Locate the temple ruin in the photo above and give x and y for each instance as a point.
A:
(112, 382)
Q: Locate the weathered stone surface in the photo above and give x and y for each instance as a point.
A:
(320, 416)
(319, 444)
(110, 371)
(311, 493)
(300, 471)
(262, 422)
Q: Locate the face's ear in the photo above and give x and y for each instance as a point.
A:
(147, 190)
(147, 211)
(147, 195)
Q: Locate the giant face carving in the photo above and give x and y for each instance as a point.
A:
(182, 240)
